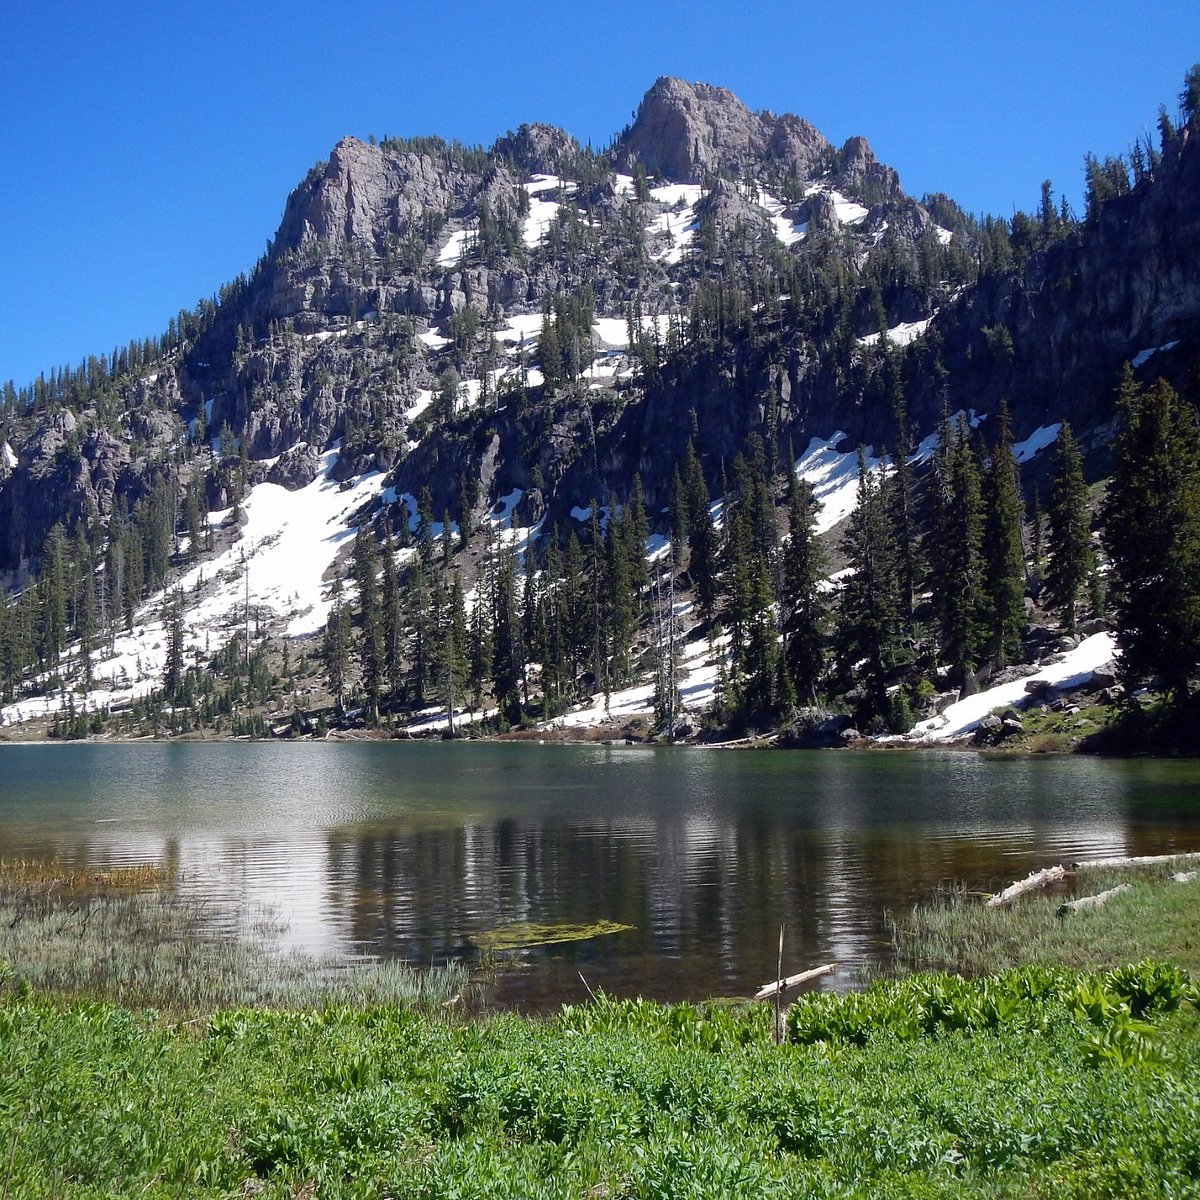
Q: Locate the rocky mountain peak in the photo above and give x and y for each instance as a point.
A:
(862, 171)
(537, 149)
(684, 129)
(365, 192)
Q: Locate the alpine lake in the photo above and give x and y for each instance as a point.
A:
(430, 852)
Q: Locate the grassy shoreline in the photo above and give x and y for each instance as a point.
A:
(1036, 1083)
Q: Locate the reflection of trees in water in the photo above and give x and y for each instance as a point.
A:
(709, 892)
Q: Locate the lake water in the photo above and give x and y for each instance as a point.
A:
(411, 850)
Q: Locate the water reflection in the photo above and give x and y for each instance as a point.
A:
(412, 850)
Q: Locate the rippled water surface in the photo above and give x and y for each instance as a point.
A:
(413, 849)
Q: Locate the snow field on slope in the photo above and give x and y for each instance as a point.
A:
(288, 542)
(697, 683)
(679, 225)
(788, 231)
(899, 335)
(1075, 667)
(452, 251)
(541, 211)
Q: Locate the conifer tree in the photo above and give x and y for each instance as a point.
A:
(508, 648)
(335, 647)
(620, 599)
(365, 569)
(804, 610)
(391, 617)
(172, 617)
(867, 625)
(480, 661)
(702, 538)
(52, 594)
(1152, 534)
(1004, 558)
(1069, 541)
(901, 512)
(956, 561)
(455, 665)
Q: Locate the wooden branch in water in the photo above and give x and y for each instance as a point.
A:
(1030, 883)
(777, 986)
(1144, 860)
(1072, 906)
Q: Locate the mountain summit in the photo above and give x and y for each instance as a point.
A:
(517, 346)
(685, 131)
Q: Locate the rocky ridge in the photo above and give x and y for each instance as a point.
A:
(395, 264)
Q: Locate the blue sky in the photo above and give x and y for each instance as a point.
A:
(149, 149)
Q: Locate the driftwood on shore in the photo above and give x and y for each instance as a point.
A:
(1073, 906)
(1031, 882)
(778, 986)
(1143, 860)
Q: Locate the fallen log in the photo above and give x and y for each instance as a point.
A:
(1030, 883)
(1074, 906)
(1144, 860)
(778, 986)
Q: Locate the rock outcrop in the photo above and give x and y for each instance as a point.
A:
(684, 130)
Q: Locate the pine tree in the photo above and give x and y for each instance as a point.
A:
(956, 563)
(1152, 534)
(1004, 558)
(899, 493)
(391, 620)
(365, 569)
(804, 610)
(867, 626)
(172, 617)
(620, 598)
(335, 647)
(1069, 541)
(702, 538)
(509, 651)
(455, 664)
(481, 659)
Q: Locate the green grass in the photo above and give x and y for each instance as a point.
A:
(612, 1099)
(1156, 918)
(1036, 1084)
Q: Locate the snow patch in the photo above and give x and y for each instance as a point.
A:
(1143, 356)
(10, 459)
(274, 572)
(1075, 667)
(834, 478)
(453, 250)
(847, 211)
(1038, 440)
(433, 339)
(542, 211)
(899, 335)
(679, 224)
(787, 230)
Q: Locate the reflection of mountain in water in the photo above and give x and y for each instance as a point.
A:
(412, 850)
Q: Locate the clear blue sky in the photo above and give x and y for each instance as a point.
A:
(149, 148)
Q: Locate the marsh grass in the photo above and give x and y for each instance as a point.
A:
(1156, 918)
(127, 936)
(23, 872)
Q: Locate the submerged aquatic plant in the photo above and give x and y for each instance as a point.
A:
(524, 935)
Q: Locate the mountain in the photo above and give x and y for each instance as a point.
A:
(514, 335)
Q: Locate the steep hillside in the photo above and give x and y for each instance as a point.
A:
(510, 344)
